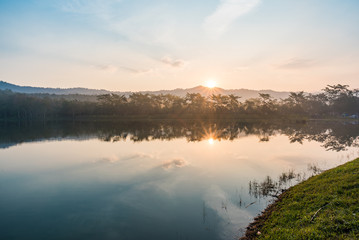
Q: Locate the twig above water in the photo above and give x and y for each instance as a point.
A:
(251, 204)
(315, 214)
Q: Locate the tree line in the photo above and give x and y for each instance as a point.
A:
(334, 101)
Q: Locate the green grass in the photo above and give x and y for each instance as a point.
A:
(335, 192)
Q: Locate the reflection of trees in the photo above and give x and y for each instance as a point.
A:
(272, 188)
(335, 136)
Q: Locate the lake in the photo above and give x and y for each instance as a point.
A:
(154, 179)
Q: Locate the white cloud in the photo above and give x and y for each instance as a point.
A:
(150, 25)
(175, 163)
(226, 13)
(173, 62)
(233, 217)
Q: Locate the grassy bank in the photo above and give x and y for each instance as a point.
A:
(323, 207)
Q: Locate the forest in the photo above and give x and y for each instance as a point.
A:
(333, 101)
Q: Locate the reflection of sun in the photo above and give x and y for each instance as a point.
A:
(211, 84)
(211, 141)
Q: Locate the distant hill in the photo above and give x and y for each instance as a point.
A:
(243, 93)
(58, 91)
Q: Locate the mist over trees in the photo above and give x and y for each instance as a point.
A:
(334, 101)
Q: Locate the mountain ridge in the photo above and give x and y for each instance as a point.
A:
(242, 92)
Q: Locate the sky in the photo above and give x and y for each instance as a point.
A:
(133, 45)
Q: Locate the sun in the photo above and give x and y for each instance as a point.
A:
(211, 141)
(211, 84)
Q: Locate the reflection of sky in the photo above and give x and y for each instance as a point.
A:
(156, 189)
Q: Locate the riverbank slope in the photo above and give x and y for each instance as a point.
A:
(325, 206)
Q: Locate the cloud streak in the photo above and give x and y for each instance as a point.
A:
(108, 68)
(99, 8)
(296, 63)
(226, 13)
(131, 157)
(113, 69)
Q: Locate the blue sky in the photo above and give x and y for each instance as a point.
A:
(150, 45)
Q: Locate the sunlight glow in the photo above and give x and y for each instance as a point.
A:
(211, 84)
(211, 141)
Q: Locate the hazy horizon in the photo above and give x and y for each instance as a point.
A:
(136, 45)
(155, 90)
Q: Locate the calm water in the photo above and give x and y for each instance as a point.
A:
(152, 180)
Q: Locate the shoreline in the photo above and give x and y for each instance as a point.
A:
(325, 206)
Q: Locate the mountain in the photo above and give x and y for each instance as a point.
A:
(58, 91)
(243, 93)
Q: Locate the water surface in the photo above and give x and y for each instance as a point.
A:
(152, 180)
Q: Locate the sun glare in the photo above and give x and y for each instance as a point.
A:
(211, 141)
(211, 84)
